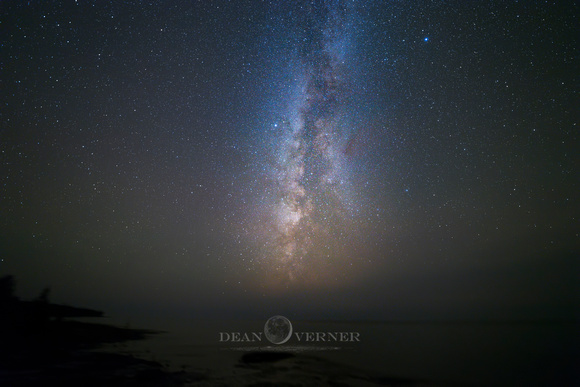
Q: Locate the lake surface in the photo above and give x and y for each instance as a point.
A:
(465, 353)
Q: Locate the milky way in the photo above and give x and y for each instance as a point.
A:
(379, 159)
(312, 208)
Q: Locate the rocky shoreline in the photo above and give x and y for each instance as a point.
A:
(60, 353)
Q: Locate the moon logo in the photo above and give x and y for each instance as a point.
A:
(278, 329)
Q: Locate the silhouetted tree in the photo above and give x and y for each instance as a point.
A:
(9, 305)
(7, 286)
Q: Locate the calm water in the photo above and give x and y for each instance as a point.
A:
(476, 354)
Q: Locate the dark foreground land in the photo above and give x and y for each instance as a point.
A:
(40, 347)
(59, 353)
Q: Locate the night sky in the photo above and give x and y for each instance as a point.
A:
(320, 159)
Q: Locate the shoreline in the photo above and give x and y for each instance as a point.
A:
(68, 353)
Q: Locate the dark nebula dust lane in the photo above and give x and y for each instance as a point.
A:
(311, 213)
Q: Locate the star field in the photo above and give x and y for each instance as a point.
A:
(361, 153)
